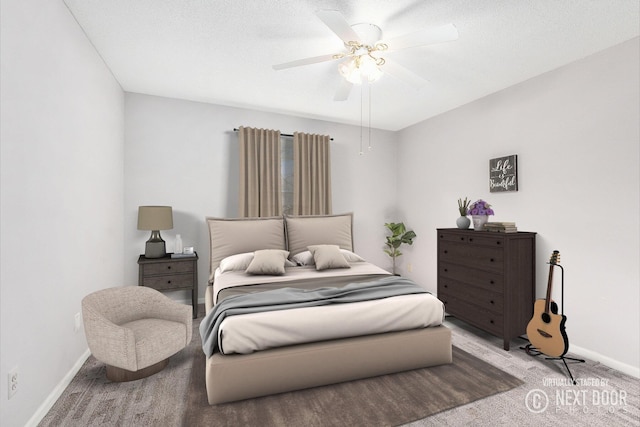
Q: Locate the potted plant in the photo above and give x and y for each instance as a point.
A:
(480, 211)
(399, 235)
(463, 207)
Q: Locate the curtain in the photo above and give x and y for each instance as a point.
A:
(311, 174)
(260, 188)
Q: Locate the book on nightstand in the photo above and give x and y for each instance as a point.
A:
(501, 227)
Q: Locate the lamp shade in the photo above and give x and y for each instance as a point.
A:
(155, 218)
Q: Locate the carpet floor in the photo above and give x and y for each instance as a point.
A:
(386, 400)
(603, 397)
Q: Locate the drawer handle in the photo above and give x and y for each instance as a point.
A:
(491, 321)
(491, 259)
(168, 267)
(492, 282)
(492, 302)
(168, 282)
(462, 238)
(471, 239)
(498, 242)
(446, 251)
(446, 286)
(446, 270)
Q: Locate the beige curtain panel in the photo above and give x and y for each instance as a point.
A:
(260, 177)
(311, 174)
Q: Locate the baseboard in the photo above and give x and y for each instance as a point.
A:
(605, 360)
(589, 354)
(48, 403)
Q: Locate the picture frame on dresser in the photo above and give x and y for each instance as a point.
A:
(487, 279)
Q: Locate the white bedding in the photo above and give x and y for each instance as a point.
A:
(260, 331)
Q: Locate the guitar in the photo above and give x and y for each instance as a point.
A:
(546, 328)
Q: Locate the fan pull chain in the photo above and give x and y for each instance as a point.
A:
(370, 148)
(361, 120)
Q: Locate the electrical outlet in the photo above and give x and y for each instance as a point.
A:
(12, 381)
(409, 267)
(78, 322)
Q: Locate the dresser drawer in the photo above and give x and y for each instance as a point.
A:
(476, 239)
(490, 280)
(484, 319)
(151, 269)
(482, 257)
(169, 281)
(487, 300)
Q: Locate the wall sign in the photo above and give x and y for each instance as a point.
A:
(503, 174)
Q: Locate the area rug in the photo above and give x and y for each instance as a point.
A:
(387, 400)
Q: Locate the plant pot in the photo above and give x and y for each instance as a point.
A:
(479, 221)
(463, 222)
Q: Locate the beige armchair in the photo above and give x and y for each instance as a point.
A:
(134, 330)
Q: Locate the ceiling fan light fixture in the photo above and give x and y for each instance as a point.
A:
(359, 68)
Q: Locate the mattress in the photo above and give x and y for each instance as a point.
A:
(260, 331)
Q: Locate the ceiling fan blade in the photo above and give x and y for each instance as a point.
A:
(445, 33)
(336, 23)
(342, 94)
(305, 61)
(404, 74)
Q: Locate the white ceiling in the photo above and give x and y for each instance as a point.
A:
(222, 51)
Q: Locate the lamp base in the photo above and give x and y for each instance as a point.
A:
(155, 246)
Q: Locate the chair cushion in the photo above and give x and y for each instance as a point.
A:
(156, 339)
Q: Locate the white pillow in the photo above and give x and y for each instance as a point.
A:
(328, 256)
(238, 262)
(305, 258)
(268, 261)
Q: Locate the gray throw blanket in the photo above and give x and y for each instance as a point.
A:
(289, 298)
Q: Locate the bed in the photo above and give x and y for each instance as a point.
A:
(322, 339)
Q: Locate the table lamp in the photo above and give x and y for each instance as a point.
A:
(155, 218)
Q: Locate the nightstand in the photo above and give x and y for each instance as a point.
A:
(170, 274)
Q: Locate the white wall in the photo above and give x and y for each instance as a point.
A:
(575, 131)
(61, 180)
(183, 154)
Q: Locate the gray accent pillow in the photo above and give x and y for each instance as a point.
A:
(231, 236)
(269, 262)
(303, 231)
(328, 256)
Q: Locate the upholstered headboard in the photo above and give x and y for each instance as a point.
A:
(230, 236)
(303, 231)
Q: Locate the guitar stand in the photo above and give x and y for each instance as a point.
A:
(532, 351)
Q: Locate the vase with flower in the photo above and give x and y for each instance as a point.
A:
(480, 211)
(463, 207)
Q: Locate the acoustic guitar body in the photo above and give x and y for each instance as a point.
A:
(546, 330)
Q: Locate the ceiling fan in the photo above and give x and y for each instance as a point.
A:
(362, 58)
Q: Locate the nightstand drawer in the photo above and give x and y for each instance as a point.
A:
(169, 281)
(173, 267)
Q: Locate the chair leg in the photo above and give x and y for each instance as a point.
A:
(120, 375)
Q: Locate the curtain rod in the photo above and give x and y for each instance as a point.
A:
(282, 134)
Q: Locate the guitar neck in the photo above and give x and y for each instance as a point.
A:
(547, 303)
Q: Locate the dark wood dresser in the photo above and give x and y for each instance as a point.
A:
(487, 279)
